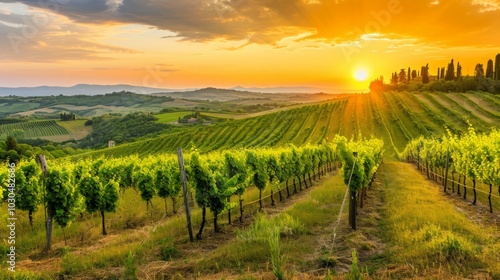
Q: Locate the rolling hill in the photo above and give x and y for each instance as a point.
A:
(81, 89)
(395, 117)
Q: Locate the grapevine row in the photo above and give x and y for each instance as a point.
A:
(360, 162)
(471, 156)
(34, 129)
(68, 189)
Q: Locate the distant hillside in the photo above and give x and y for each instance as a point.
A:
(81, 105)
(77, 90)
(241, 94)
(215, 94)
(208, 99)
(85, 89)
(285, 90)
(395, 117)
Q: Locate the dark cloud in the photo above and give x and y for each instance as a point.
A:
(73, 8)
(446, 22)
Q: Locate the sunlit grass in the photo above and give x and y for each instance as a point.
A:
(426, 231)
(316, 210)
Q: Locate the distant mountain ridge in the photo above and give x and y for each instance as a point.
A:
(80, 89)
(87, 89)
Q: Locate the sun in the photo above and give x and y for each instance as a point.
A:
(361, 75)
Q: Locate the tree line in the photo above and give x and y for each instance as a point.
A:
(449, 78)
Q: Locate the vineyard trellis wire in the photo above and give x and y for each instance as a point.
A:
(339, 216)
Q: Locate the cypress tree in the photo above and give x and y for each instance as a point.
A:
(459, 71)
(479, 70)
(450, 72)
(11, 143)
(409, 74)
(425, 74)
(497, 67)
(402, 76)
(489, 69)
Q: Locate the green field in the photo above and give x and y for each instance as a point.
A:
(171, 117)
(76, 129)
(9, 108)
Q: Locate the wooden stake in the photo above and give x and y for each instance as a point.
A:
(48, 215)
(185, 193)
(446, 171)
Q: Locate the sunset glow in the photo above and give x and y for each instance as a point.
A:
(201, 43)
(361, 75)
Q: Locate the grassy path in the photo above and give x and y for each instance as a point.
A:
(426, 233)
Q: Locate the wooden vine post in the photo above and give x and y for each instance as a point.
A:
(446, 170)
(185, 192)
(352, 197)
(48, 215)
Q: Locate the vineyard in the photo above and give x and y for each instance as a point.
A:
(262, 184)
(395, 117)
(214, 179)
(35, 129)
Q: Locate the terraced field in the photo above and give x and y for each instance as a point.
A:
(35, 129)
(395, 117)
(52, 130)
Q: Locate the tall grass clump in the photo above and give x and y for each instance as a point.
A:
(354, 273)
(130, 272)
(277, 260)
(269, 232)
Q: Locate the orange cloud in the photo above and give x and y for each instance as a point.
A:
(269, 21)
(304, 41)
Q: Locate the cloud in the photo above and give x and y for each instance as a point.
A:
(5, 11)
(487, 5)
(46, 37)
(267, 22)
(71, 8)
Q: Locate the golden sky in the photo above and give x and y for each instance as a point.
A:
(228, 43)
